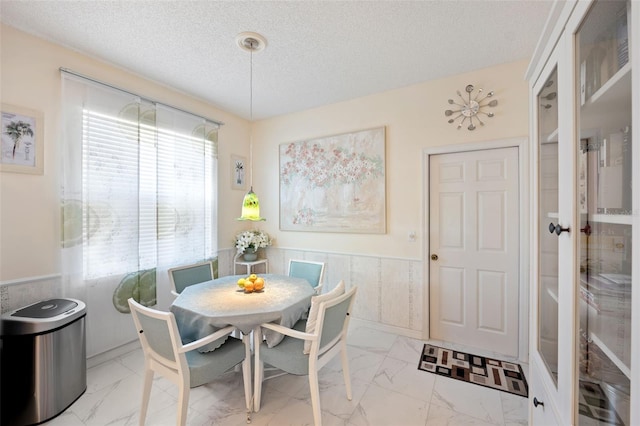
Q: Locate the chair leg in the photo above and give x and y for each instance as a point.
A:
(183, 404)
(246, 374)
(146, 393)
(345, 369)
(258, 369)
(315, 397)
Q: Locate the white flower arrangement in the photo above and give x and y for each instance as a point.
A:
(253, 239)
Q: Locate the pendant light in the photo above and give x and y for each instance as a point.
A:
(252, 43)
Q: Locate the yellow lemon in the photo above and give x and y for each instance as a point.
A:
(252, 277)
(241, 282)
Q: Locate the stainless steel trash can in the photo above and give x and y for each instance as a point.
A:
(43, 360)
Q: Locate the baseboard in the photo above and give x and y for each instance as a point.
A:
(112, 353)
(413, 334)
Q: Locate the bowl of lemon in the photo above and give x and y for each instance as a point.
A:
(251, 284)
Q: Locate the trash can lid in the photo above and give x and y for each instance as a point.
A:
(41, 317)
(46, 308)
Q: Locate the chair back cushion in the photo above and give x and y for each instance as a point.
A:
(334, 319)
(154, 331)
(311, 272)
(313, 312)
(184, 277)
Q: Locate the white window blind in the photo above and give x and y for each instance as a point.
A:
(147, 182)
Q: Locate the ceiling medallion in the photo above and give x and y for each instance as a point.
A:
(251, 42)
(471, 107)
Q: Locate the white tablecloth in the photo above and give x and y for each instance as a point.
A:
(202, 309)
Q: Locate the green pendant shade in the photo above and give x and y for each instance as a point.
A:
(251, 207)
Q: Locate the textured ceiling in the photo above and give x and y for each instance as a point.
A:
(318, 52)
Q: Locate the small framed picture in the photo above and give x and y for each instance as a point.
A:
(238, 172)
(22, 140)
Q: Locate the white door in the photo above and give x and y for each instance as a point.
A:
(474, 249)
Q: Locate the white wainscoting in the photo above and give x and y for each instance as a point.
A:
(390, 290)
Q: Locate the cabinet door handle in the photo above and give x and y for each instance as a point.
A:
(536, 402)
(434, 257)
(557, 229)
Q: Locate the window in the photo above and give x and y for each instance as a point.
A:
(140, 182)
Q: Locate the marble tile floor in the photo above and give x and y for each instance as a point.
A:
(388, 390)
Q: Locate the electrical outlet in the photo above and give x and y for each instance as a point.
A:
(618, 244)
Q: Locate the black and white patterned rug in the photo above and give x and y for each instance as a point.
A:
(595, 404)
(480, 370)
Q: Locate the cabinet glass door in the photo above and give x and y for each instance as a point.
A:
(548, 216)
(604, 202)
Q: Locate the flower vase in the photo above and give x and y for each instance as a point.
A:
(250, 254)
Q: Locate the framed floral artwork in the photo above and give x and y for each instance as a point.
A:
(334, 183)
(238, 172)
(22, 140)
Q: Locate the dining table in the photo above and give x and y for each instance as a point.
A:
(203, 308)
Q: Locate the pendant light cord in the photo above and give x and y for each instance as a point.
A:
(251, 81)
(252, 43)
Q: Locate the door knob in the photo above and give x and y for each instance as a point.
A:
(434, 257)
(557, 229)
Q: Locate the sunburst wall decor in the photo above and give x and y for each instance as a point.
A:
(471, 107)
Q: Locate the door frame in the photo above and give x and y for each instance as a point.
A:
(522, 144)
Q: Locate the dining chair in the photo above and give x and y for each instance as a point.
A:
(165, 354)
(182, 277)
(328, 338)
(310, 271)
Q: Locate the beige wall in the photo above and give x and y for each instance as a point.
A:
(29, 206)
(414, 119)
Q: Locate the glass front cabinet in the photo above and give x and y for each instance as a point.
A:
(585, 233)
